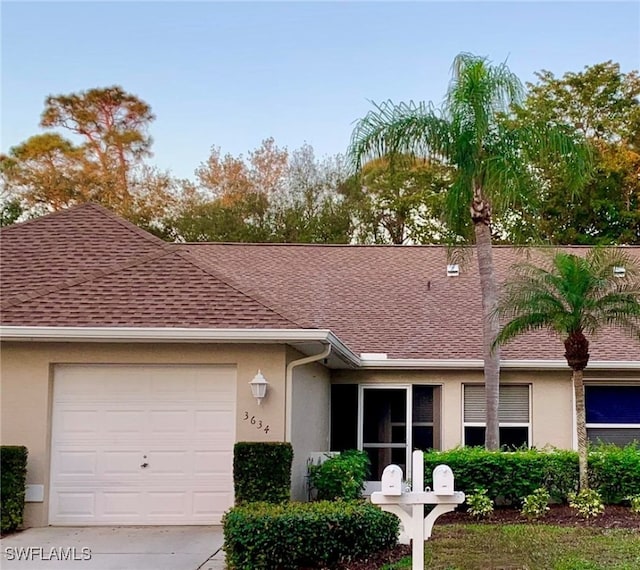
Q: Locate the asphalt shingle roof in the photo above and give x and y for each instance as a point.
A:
(86, 267)
(393, 299)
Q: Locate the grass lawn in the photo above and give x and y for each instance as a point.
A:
(529, 547)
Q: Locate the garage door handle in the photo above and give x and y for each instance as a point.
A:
(144, 465)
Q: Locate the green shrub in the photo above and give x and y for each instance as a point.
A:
(341, 476)
(615, 471)
(262, 471)
(13, 470)
(509, 476)
(536, 505)
(294, 535)
(480, 506)
(587, 502)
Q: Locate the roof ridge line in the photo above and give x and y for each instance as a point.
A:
(15, 300)
(234, 285)
(148, 236)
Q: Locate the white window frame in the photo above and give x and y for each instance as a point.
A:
(527, 424)
(409, 425)
(408, 417)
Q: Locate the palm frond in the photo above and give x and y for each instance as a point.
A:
(393, 129)
(572, 294)
(521, 325)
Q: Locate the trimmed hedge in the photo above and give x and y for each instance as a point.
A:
(615, 471)
(321, 534)
(13, 475)
(262, 471)
(511, 476)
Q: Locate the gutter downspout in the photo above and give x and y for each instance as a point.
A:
(288, 405)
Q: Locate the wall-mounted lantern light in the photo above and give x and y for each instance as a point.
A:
(259, 386)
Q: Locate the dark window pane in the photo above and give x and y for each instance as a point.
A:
(422, 437)
(510, 437)
(381, 408)
(399, 434)
(344, 416)
(473, 436)
(612, 404)
(618, 436)
(422, 404)
(380, 458)
(514, 437)
(399, 457)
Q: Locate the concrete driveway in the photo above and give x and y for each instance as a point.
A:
(114, 548)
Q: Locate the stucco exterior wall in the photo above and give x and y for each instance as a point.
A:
(310, 419)
(26, 372)
(551, 404)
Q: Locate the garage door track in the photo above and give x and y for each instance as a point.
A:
(114, 548)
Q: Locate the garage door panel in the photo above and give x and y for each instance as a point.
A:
(76, 504)
(76, 463)
(122, 463)
(120, 503)
(109, 420)
(212, 462)
(122, 422)
(76, 421)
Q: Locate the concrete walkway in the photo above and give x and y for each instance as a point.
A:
(114, 548)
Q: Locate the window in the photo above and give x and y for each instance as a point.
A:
(386, 421)
(513, 415)
(613, 413)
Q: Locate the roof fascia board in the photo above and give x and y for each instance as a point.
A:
(74, 334)
(478, 364)
(136, 334)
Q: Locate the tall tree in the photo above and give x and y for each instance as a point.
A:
(269, 196)
(112, 125)
(602, 103)
(399, 202)
(491, 157)
(103, 161)
(47, 172)
(575, 297)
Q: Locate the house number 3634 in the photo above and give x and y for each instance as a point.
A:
(258, 423)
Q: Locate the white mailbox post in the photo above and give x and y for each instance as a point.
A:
(409, 506)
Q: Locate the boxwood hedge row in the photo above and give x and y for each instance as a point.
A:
(295, 535)
(262, 471)
(510, 476)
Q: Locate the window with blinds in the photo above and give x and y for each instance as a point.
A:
(513, 415)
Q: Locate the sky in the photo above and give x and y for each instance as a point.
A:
(230, 74)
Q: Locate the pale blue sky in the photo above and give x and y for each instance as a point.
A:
(231, 74)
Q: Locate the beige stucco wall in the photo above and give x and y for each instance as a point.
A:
(551, 399)
(310, 419)
(26, 373)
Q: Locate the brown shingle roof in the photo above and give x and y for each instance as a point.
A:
(393, 299)
(86, 267)
(109, 273)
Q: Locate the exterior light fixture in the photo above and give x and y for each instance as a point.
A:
(259, 387)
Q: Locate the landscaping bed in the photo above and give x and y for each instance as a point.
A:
(453, 527)
(614, 516)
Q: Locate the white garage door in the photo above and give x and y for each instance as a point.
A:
(142, 444)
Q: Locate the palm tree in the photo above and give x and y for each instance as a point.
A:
(575, 297)
(492, 157)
